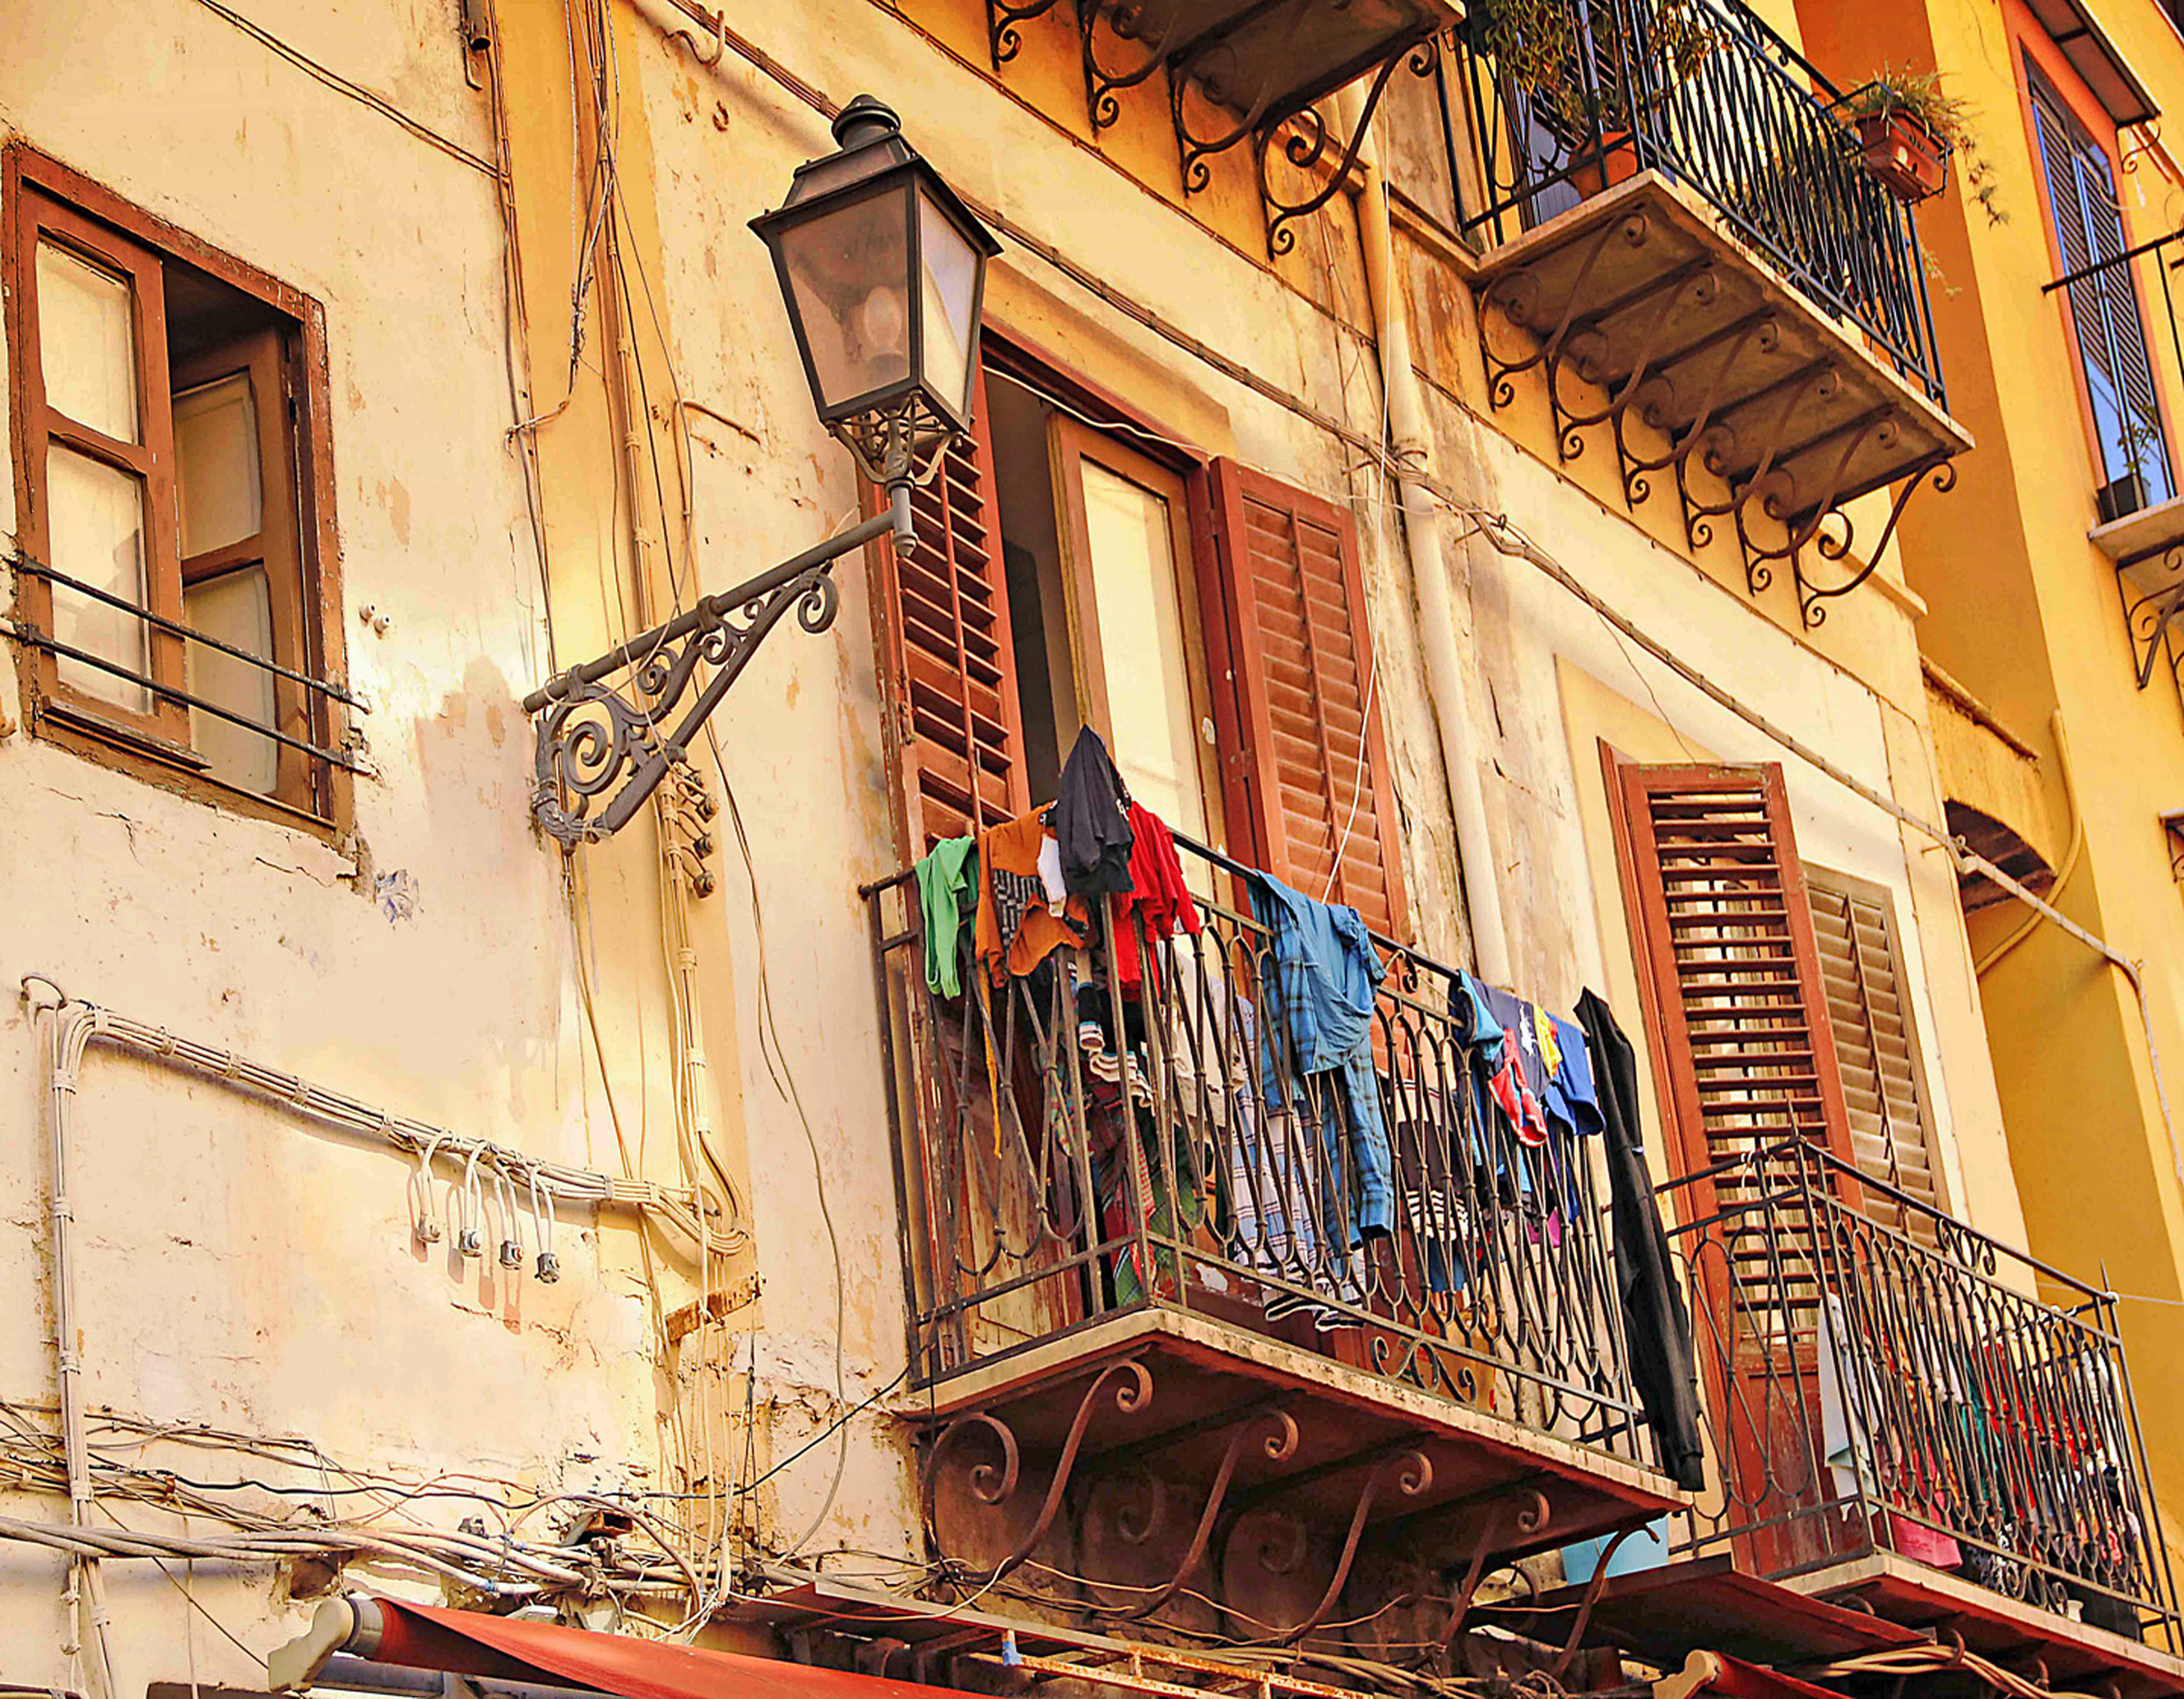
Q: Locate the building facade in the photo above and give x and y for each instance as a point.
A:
(1525, 477)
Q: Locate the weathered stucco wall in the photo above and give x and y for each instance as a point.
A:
(245, 1271)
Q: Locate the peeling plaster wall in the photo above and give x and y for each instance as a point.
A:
(240, 1268)
(247, 1272)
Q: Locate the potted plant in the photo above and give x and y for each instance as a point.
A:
(1907, 127)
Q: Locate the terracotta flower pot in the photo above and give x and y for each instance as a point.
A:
(1903, 154)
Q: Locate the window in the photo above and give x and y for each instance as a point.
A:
(2103, 308)
(1736, 1008)
(1876, 1048)
(1209, 621)
(172, 588)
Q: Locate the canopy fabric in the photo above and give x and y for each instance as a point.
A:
(472, 1643)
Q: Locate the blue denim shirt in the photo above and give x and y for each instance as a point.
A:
(1329, 974)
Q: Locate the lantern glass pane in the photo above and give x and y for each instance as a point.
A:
(951, 286)
(848, 270)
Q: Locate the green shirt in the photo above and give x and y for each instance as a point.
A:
(944, 878)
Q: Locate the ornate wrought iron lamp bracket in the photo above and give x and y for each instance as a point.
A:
(594, 737)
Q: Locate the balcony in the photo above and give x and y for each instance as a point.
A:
(2106, 305)
(1135, 1325)
(1997, 799)
(1681, 238)
(1910, 1417)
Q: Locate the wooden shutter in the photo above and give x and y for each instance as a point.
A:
(947, 661)
(1737, 1012)
(2088, 230)
(1876, 1049)
(1308, 772)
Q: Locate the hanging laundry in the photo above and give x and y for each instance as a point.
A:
(1158, 897)
(1092, 830)
(1521, 1076)
(1329, 974)
(1656, 1322)
(1021, 919)
(1572, 1098)
(947, 879)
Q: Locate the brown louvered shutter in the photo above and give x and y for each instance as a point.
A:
(1744, 1053)
(947, 662)
(1875, 1048)
(1309, 774)
(1724, 934)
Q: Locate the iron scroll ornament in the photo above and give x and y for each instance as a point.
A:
(595, 737)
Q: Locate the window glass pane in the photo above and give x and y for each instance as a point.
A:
(1140, 617)
(952, 273)
(96, 523)
(846, 269)
(216, 459)
(87, 340)
(237, 608)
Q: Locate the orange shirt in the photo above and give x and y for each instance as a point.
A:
(1013, 848)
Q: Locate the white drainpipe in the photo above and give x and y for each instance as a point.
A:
(1426, 533)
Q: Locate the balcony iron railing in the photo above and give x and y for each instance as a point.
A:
(1705, 94)
(316, 698)
(1040, 1199)
(1881, 1378)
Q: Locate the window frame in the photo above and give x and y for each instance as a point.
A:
(1071, 444)
(37, 192)
(2041, 62)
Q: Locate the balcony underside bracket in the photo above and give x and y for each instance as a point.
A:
(2154, 610)
(1642, 315)
(1278, 1540)
(1839, 545)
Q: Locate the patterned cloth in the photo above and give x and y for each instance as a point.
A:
(1014, 896)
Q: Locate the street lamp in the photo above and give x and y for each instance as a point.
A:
(882, 268)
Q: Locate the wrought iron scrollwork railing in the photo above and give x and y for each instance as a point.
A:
(1704, 93)
(1051, 1178)
(1879, 1377)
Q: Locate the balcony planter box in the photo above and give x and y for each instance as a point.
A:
(1903, 154)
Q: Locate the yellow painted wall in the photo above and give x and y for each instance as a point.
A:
(2026, 614)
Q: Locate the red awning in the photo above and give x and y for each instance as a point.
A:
(1733, 1678)
(471, 1643)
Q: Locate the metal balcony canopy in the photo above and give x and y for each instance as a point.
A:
(2122, 96)
(1258, 57)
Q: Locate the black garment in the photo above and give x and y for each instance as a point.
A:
(1089, 823)
(1654, 1320)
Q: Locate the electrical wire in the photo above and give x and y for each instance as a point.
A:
(354, 91)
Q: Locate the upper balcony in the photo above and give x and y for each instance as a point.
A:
(1138, 1325)
(1682, 236)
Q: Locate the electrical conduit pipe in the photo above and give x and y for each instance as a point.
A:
(1425, 531)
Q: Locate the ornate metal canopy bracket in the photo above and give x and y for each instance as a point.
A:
(593, 736)
(1528, 1514)
(1410, 1473)
(1102, 84)
(1308, 142)
(1627, 350)
(1003, 26)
